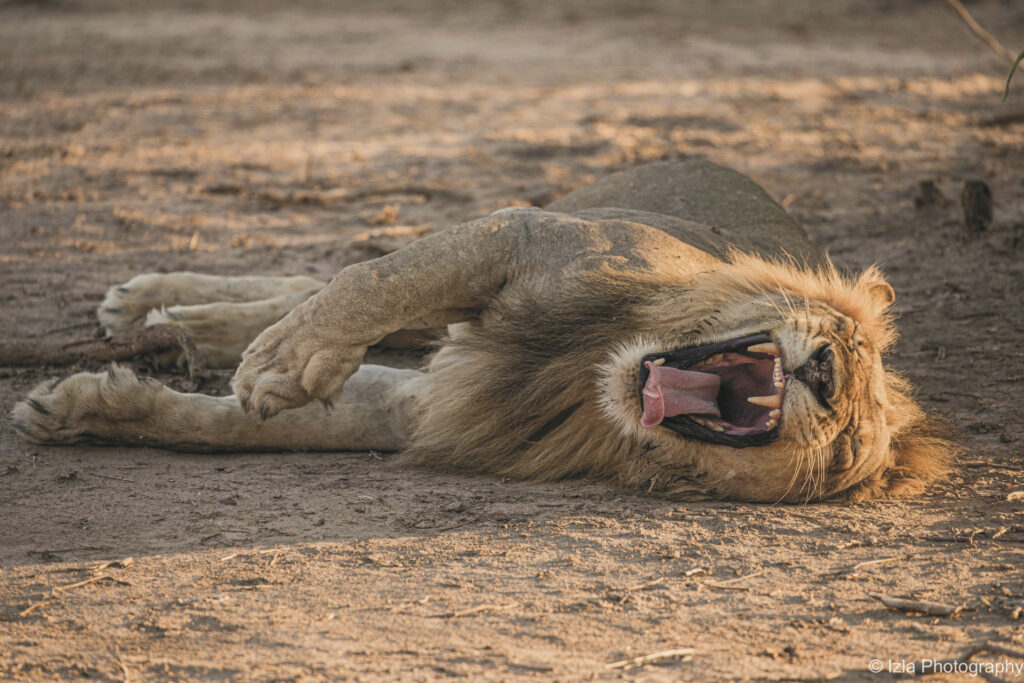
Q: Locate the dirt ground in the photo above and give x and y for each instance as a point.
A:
(271, 138)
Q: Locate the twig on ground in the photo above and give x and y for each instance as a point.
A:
(475, 610)
(60, 589)
(653, 657)
(101, 577)
(1015, 495)
(124, 668)
(723, 584)
(33, 607)
(968, 535)
(801, 515)
(868, 563)
(646, 584)
(977, 30)
(241, 553)
(946, 539)
(117, 564)
(872, 563)
(121, 346)
(932, 609)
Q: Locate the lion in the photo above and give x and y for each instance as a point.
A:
(669, 329)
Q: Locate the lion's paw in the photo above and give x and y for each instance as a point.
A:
(125, 306)
(285, 369)
(83, 407)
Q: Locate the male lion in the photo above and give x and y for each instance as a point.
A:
(669, 328)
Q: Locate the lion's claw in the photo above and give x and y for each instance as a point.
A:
(285, 369)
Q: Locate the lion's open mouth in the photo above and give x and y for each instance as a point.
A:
(729, 392)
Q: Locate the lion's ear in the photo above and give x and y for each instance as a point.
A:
(881, 294)
(873, 297)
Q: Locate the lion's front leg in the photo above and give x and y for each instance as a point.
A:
(438, 280)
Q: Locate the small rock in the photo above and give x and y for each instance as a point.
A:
(976, 200)
(929, 194)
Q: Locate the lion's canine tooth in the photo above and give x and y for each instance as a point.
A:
(775, 414)
(768, 347)
(767, 401)
(658, 361)
(717, 428)
(714, 359)
(770, 424)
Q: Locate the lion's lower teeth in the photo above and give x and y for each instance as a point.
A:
(770, 424)
(709, 424)
(774, 414)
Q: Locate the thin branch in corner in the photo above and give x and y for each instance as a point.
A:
(977, 30)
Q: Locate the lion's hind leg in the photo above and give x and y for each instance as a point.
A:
(222, 330)
(115, 407)
(126, 306)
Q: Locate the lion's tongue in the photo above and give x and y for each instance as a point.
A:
(670, 392)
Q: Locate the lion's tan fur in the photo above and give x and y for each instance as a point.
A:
(551, 314)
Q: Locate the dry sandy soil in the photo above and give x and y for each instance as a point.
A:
(249, 137)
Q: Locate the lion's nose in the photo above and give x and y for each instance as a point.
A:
(817, 374)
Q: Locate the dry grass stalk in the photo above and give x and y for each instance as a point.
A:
(932, 609)
(653, 657)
